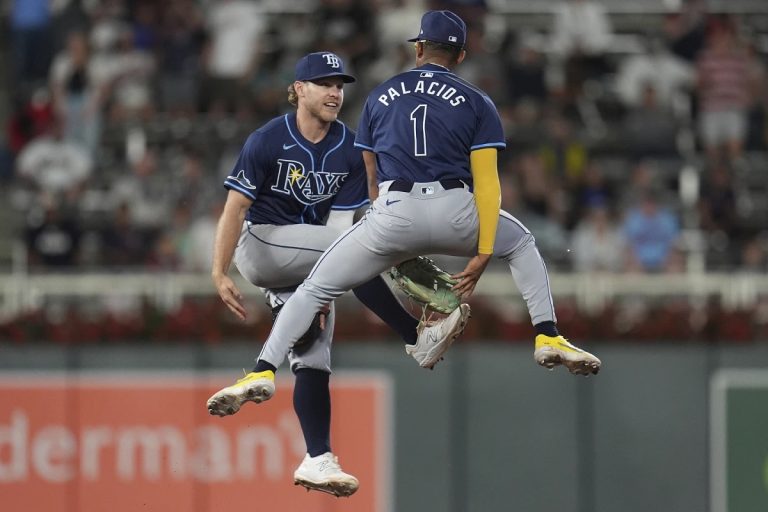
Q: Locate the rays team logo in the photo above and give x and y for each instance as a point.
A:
(308, 187)
(332, 60)
(242, 180)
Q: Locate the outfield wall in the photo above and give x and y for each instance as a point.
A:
(488, 430)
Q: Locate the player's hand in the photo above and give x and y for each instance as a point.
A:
(230, 294)
(469, 277)
(324, 312)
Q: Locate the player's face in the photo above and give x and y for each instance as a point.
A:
(323, 98)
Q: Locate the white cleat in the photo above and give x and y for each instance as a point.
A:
(323, 473)
(435, 340)
(254, 387)
(554, 351)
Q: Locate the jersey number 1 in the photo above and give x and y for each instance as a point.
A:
(419, 120)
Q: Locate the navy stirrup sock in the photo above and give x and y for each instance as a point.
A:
(378, 297)
(312, 403)
(262, 366)
(547, 328)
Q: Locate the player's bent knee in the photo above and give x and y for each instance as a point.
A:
(311, 336)
(297, 365)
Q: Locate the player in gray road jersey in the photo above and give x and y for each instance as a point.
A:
(292, 174)
(430, 142)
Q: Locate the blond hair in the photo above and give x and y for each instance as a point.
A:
(293, 98)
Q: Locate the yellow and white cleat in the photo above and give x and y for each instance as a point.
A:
(555, 351)
(254, 387)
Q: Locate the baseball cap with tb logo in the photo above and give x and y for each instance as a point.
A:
(321, 65)
(442, 27)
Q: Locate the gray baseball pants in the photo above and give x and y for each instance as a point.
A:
(397, 227)
(279, 258)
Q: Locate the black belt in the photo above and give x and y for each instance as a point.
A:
(406, 186)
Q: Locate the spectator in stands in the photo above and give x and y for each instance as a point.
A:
(754, 256)
(182, 36)
(671, 77)
(475, 70)
(79, 91)
(685, 30)
(235, 29)
(172, 243)
(164, 255)
(145, 24)
(198, 256)
(652, 232)
(108, 18)
(644, 177)
(393, 22)
(597, 244)
(540, 189)
(146, 190)
(122, 243)
(31, 36)
(31, 117)
(649, 129)
(54, 165)
(581, 34)
(724, 89)
(53, 236)
(757, 129)
(564, 155)
(473, 12)
(591, 191)
(542, 206)
(196, 186)
(349, 28)
(717, 204)
(720, 220)
(396, 59)
(580, 27)
(525, 74)
(74, 16)
(132, 81)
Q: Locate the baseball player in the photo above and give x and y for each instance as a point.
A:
(292, 174)
(430, 142)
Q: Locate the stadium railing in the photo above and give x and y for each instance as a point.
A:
(589, 291)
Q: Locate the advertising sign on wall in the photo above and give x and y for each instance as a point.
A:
(127, 442)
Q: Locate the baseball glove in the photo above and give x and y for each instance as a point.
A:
(426, 283)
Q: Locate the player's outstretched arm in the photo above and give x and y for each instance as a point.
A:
(227, 235)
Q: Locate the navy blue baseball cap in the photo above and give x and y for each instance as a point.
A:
(321, 65)
(442, 27)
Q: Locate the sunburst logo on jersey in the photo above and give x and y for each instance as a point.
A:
(294, 175)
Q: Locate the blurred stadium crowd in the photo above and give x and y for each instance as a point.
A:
(637, 131)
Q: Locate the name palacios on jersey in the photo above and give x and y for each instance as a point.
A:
(308, 187)
(431, 87)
